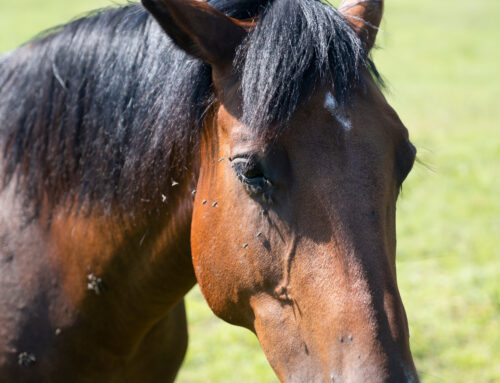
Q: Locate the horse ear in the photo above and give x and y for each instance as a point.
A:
(365, 17)
(199, 29)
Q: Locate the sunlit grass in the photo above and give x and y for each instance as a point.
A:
(441, 60)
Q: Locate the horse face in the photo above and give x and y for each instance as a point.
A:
(294, 238)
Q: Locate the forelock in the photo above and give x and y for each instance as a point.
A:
(296, 46)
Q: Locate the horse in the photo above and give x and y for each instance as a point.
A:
(244, 145)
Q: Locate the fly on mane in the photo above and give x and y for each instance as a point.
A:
(107, 110)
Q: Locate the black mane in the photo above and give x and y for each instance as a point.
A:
(107, 109)
(296, 45)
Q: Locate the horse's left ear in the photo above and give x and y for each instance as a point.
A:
(199, 29)
(365, 17)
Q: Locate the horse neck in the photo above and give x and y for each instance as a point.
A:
(141, 259)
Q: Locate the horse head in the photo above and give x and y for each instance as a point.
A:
(301, 161)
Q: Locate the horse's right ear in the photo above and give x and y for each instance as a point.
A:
(199, 29)
(365, 17)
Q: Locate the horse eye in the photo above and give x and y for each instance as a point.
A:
(251, 175)
(405, 157)
(247, 170)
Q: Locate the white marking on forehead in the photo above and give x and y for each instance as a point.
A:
(332, 106)
(346, 124)
(330, 103)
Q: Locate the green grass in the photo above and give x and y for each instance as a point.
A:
(442, 62)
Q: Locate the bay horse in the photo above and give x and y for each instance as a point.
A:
(244, 145)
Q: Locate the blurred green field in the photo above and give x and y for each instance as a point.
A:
(441, 60)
